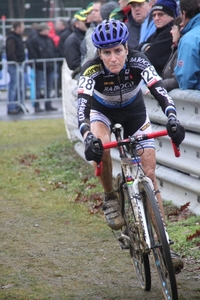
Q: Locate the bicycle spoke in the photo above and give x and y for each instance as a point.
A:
(159, 243)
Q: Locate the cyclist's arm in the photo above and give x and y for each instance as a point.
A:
(85, 92)
(157, 89)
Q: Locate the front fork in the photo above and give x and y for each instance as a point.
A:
(140, 213)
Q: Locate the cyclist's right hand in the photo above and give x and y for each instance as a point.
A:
(93, 148)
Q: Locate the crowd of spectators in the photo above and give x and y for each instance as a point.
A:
(166, 31)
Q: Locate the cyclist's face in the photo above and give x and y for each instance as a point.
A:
(114, 58)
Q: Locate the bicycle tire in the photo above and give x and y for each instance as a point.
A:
(159, 244)
(139, 258)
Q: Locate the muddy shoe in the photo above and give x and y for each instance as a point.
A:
(112, 212)
(177, 262)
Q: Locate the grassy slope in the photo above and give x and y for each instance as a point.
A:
(48, 239)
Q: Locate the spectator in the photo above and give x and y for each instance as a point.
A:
(63, 29)
(96, 11)
(125, 8)
(118, 14)
(158, 46)
(43, 48)
(187, 71)
(73, 42)
(33, 31)
(15, 53)
(52, 34)
(136, 16)
(107, 8)
(169, 79)
(95, 18)
(148, 26)
(87, 48)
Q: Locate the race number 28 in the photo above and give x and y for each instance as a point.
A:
(150, 76)
(86, 85)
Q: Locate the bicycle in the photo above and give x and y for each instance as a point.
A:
(144, 232)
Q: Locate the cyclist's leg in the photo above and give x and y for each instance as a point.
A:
(111, 206)
(100, 130)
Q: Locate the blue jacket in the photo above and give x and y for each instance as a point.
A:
(187, 71)
(148, 28)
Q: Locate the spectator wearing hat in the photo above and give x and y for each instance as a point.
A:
(72, 44)
(158, 46)
(187, 71)
(87, 48)
(42, 47)
(15, 53)
(107, 8)
(118, 14)
(94, 17)
(136, 16)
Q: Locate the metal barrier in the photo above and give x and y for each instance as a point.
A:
(178, 178)
(25, 74)
(6, 23)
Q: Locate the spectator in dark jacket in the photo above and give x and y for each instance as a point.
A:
(42, 47)
(169, 79)
(33, 31)
(72, 44)
(15, 53)
(63, 29)
(158, 46)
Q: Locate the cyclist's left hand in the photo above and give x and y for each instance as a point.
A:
(175, 130)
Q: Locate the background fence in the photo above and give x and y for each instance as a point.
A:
(178, 178)
(26, 83)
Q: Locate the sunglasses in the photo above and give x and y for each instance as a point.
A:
(159, 14)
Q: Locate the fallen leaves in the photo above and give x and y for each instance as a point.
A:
(192, 236)
(95, 201)
(27, 159)
(181, 213)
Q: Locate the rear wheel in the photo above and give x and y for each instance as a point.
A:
(159, 244)
(130, 234)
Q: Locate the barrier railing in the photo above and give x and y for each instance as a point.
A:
(178, 178)
(26, 77)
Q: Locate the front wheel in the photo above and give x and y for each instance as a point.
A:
(159, 244)
(139, 257)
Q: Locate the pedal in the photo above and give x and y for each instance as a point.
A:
(124, 241)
